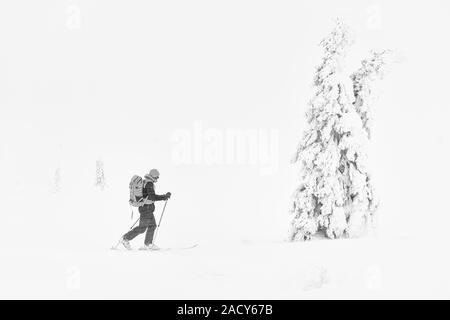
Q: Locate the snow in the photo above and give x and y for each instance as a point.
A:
(62, 250)
(55, 260)
(394, 268)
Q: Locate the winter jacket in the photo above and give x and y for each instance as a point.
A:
(149, 193)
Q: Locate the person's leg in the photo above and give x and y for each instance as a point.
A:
(151, 228)
(144, 222)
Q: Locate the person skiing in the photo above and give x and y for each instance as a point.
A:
(147, 219)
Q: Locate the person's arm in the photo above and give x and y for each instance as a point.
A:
(151, 195)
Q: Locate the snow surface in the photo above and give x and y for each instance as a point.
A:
(356, 269)
(73, 260)
(58, 253)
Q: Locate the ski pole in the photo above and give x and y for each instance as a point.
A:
(132, 212)
(118, 242)
(135, 223)
(160, 219)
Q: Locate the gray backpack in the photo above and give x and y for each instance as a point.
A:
(136, 188)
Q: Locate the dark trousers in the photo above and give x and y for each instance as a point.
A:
(146, 222)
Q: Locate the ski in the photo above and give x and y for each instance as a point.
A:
(175, 248)
(116, 247)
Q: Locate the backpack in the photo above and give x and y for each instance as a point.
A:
(136, 191)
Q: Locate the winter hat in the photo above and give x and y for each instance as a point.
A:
(153, 175)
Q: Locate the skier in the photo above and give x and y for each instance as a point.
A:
(147, 219)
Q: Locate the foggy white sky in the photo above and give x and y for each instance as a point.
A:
(117, 80)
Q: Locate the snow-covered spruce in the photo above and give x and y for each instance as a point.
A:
(100, 175)
(335, 194)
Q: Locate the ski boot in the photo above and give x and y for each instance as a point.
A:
(125, 243)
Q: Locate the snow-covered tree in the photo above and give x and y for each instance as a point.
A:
(56, 183)
(100, 175)
(334, 196)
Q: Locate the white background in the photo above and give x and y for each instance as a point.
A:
(116, 80)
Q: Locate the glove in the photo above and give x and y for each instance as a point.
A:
(168, 194)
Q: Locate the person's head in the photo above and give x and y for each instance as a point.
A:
(152, 176)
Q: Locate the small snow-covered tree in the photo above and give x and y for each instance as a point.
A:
(100, 175)
(334, 196)
(56, 185)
